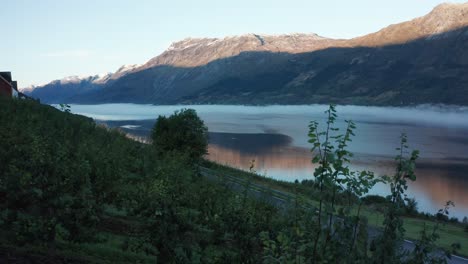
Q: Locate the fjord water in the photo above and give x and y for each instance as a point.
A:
(276, 138)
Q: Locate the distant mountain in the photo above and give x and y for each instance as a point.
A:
(59, 91)
(424, 60)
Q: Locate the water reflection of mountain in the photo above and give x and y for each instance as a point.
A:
(443, 182)
(274, 154)
(253, 144)
(285, 158)
(436, 181)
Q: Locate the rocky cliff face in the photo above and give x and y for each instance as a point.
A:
(424, 60)
(192, 52)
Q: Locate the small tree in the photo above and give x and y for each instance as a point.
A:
(182, 132)
(390, 241)
(411, 206)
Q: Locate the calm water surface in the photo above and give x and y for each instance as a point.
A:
(276, 138)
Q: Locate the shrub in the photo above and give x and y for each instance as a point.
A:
(442, 217)
(411, 206)
(182, 132)
(374, 199)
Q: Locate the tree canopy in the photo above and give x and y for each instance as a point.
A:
(182, 132)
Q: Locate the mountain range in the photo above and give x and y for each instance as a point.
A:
(421, 61)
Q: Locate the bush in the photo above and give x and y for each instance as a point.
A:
(182, 132)
(442, 217)
(374, 199)
(411, 206)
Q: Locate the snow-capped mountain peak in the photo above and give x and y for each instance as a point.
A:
(73, 79)
(98, 79)
(102, 78)
(127, 68)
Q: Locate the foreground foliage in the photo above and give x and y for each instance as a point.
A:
(67, 183)
(335, 231)
(61, 172)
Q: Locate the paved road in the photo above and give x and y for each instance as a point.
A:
(285, 200)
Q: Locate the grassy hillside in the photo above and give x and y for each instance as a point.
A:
(72, 191)
(414, 222)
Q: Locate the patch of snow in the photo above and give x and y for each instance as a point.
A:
(73, 79)
(127, 68)
(29, 88)
(102, 78)
(191, 42)
(214, 41)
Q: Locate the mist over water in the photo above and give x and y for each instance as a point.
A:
(422, 114)
(276, 137)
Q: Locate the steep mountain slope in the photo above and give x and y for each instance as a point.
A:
(58, 91)
(192, 52)
(443, 18)
(424, 60)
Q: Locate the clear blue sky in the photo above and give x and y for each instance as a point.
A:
(43, 40)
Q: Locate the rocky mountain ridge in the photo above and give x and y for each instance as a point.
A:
(57, 90)
(424, 60)
(444, 18)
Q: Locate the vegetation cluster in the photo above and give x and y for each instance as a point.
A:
(77, 192)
